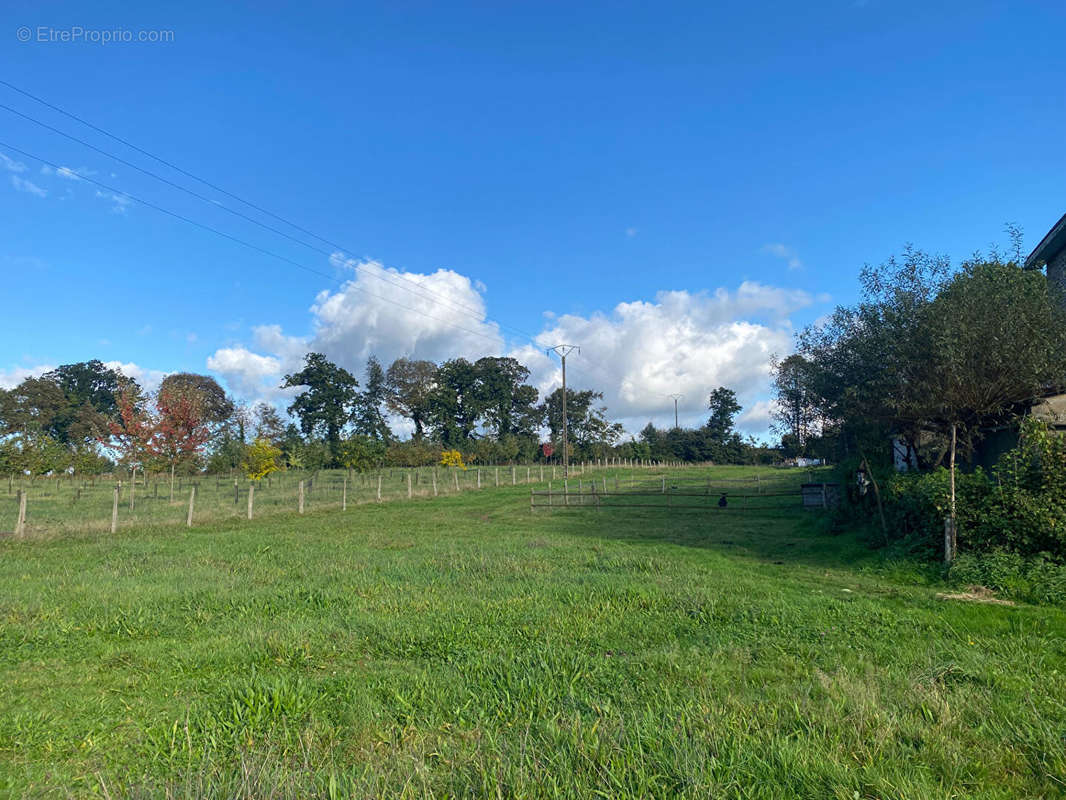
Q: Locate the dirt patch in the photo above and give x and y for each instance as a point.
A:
(976, 594)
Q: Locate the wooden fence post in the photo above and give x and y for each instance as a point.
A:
(133, 485)
(192, 504)
(251, 494)
(236, 493)
(566, 492)
(530, 499)
(379, 487)
(114, 511)
(409, 495)
(479, 477)
(513, 481)
(455, 474)
(20, 514)
(300, 498)
(497, 477)
(344, 494)
(434, 483)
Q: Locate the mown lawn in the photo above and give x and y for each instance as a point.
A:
(462, 646)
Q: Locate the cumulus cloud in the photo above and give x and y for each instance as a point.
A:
(149, 379)
(247, 373)
(10, 378)
(23, 185)
(784, 252)
(638, 354)
(682, 342)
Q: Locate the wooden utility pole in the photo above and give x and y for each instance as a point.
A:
(563, 350)
(676, 398)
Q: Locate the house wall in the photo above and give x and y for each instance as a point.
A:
(1056, 270)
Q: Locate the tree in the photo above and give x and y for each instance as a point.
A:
(982, 368)
(509, 403)
(267, 423)
(410, 385)
(724, 408)
(326, 405)
(260, 459)
(588, 427)
(455, 403)
(362, 453)
(795, 412)
(367, 417)
(214, 406)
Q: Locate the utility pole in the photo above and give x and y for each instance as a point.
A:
(563, 350)
(676, 398)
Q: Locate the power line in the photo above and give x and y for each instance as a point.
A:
(419, 290)
(242, 242)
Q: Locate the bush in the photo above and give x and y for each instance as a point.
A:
(1020, 509)
(1035, 579)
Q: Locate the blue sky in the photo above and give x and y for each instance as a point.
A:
(678, 186)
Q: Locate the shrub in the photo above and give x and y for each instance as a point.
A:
(1034, 579)
(452, 458)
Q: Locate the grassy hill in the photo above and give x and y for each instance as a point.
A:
(464, 646)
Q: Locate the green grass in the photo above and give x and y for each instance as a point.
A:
(462, 646)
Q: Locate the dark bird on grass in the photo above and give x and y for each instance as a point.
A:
(722, 502)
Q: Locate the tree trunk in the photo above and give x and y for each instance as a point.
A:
(877, 496)
(950, 536)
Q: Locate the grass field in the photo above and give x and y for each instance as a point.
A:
(464, 646)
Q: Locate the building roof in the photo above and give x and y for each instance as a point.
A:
(1049, 246)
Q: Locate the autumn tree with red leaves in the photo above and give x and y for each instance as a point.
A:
(171, 431)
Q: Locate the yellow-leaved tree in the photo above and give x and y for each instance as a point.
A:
(260, 459)
(452, 458)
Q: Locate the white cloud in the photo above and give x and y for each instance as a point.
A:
(637, 354)
(23, 185)
(70, 173)
(149, 379)
(11, 165)
(784, 252)
(249, 374)
(10, 378)
(683, 342)
(119, 202)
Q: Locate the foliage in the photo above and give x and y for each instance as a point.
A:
(410, 385)
(1021, 508)
(367, 417)
(326, 405)
(261, 458)
(452, 458)
(361, 453)
(1033, 579)
(455, 404)
(590, 433)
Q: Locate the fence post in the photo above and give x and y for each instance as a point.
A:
(409, 494)
(549, 494)
(479, 478)
(664, 484)
(192, 503)
(114, 511)
(344, 494)
(20, 514)
(530, 499)
(497, 477)
(379, 487)
(605, 484)
(251, 494)
(825, 504)
(455, 475)
(949, 540)
(542, 473)
(434, 482)
(300, 498)
(553, 472)
(133, 485)
(513, 481)
(236, 493)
